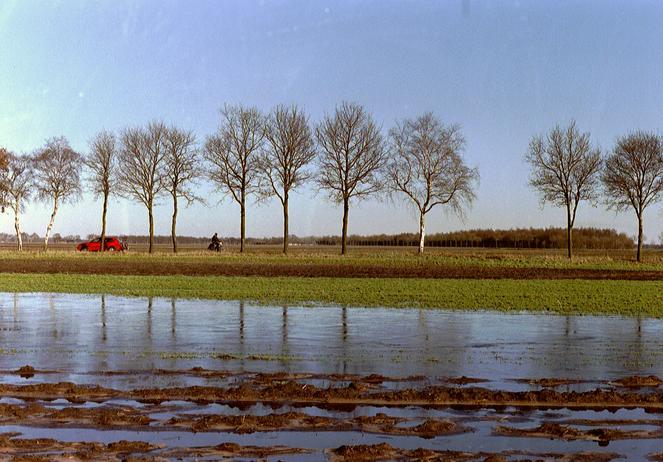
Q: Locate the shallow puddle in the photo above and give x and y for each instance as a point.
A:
(125, 344)
(86, 334)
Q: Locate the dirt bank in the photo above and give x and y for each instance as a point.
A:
(384, 451)
(16, 449)
(272, 404)
(556, 431)
(128, 266)
(354, 393)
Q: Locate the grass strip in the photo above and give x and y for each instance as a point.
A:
(396, 259)
(628, 298)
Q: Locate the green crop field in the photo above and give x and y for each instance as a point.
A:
(395, 257)
(629, 298)
(594, 282)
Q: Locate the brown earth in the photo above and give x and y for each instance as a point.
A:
(16, 449)
(121, 266)
(19, 449)
(116, 417)
(550, 382)
(233, 450)
(355, 393)
(384, 451)
(381, 424)
(101, 417)
(639, 382)
(464, 380)
(557, 431)
(281, 389)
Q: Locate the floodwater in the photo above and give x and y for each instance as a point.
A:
(128, 343)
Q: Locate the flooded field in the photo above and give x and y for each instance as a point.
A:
(108, 378)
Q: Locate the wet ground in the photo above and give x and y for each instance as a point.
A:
(303, 268)
(108, 378)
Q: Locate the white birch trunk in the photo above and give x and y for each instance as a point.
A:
(50, 224)
(422, 231)
(17, 227)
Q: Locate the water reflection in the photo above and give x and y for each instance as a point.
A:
(242, 351)
(81, 333)
(15, 311)
(103, 318)
(54, 319)
(102, 364)
(285, 351)
(567, 324)
(173, 317)
(150, 302)
(344, 339)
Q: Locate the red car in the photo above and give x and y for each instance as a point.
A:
(112, 244)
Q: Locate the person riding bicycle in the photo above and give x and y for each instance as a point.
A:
(216, 243)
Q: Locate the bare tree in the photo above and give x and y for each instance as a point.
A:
(352, 155)
(4, 164)
(182, 169)
(565, 171)
(17, 183)
(141, 174)
(633, 175)
(427, 166)
(57, 170)
(233, 153)
(101, 162)
(290, 149)
(4, 158)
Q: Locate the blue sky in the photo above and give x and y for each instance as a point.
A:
(504, 70)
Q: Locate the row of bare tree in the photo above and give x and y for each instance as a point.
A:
(273, 155)
(52, 175)
(566, 170)
(252, 156)
(255, 156)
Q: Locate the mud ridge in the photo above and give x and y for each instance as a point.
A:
(350, 270)
(293, 392)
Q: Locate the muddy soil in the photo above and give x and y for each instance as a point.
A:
(551, 382)
(602, 435)
(294, 406)
(355, 392)
(639, 381)
(83, 378)
(350, 270)
(15, 449)
(385, 451)
(296, 392)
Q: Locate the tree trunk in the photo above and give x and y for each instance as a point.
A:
(285, 223)
(242, 225)
(103, 223)
(150, 218)
(639, 255)
(344, 234)
(50, 224)
(17, 227)
(174, 224)
(569, 233)
(422, 231)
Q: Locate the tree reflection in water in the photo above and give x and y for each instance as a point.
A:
(103, 317)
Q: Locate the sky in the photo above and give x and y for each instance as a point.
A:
(503, 70)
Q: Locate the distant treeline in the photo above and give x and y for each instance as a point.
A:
(525, 238)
